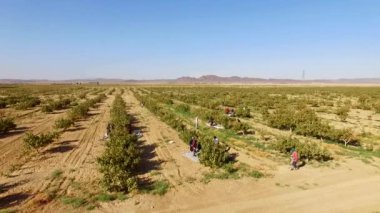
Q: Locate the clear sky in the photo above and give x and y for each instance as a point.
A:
(139, 39)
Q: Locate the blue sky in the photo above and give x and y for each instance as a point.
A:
(168, 39)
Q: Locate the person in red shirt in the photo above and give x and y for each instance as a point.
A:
(294, 159)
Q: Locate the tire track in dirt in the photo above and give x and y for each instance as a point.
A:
(174, 166)
(76, 163)
(12, 146)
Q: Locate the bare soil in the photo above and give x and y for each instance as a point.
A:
(344, 185)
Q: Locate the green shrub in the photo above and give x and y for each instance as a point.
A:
(376, 107)
(56, 174)
(303, 121)
(47, 108)
(307, 150)
(62, 103)
(160, 187)
(75, 202)
(212, 155)
(111, 91)
(346, 136)
(342, 113)
(119, 162)
(27, 102)
(282, 118)
(6, 124)
(169, 101)
(183, 108)
(37, 141)
(240, 127)
(244, 112)
(79, 112)
(63, 123)
(82, 95)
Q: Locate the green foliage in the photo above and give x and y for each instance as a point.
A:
(122, 155)
(82, 95)
(342, 113)
(232, 171)
(282, 118)
(169, 102)
(92, 102)
(243, 112)
(112, 91)
(79, 112)
(63, 123)
(47, 108)
(376, 107)
(240, 127)
(210, 155)
(256, 174)
(6, 124)
(306, 150)
(75, 202)
(303, 121)
(346, 136)
(56, 174)
(37, 141)
(183, 108)
(119, 162)
(27, 102)
(160, 187)
(213, 155)
(62, 103)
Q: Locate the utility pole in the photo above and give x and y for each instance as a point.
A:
(303, 75)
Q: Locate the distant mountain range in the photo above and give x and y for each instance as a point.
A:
(206, 79)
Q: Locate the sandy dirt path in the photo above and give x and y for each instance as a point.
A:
(350, 186)
(11, 144)
(73, 155)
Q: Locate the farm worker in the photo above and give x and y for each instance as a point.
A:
(108, 131)
(211, 121)
(294, 158)
(216, 140)
(227, 110)
(194, 147)
(196, 122)
(191, 142)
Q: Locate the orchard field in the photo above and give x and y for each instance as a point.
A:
(55, 158)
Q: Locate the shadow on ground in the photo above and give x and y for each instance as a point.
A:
(13, 200)
(16, 131)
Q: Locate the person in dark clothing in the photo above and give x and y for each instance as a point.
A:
(194, 146)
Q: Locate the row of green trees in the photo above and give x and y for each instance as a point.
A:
(38, 141)
(20, 102)
(119, 162)
(61, 103)
(217, 115)
(306, 150)
(304, 121)
(212, 155)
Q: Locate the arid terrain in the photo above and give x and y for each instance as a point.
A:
(64, 175)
